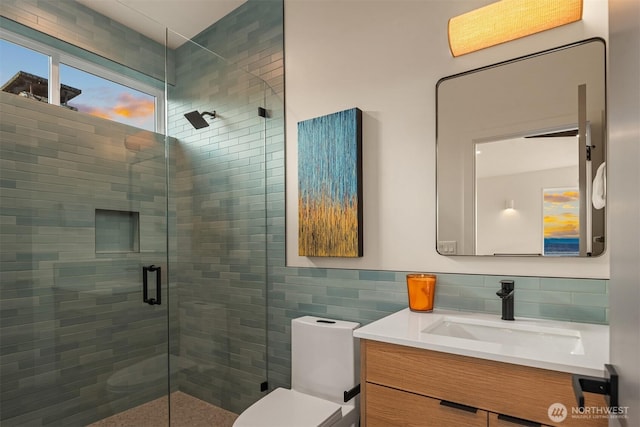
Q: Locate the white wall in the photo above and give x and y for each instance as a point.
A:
(385, 58)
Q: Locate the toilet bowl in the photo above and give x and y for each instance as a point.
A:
(324, 356)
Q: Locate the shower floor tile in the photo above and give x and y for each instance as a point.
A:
(186, 411)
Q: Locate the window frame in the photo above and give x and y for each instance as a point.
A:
(56, 57)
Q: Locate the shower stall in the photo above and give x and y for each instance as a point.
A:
(134, 263)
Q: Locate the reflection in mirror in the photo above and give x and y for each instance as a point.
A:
(510, 174)
(521, 155)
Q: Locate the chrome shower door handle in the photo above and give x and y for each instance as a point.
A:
(145, 292)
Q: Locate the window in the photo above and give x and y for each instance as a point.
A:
(41, 72)
(103, 98)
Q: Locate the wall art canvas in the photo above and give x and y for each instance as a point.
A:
(330, 185)
(561, 221)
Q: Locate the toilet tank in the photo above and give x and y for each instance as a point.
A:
(324, 357)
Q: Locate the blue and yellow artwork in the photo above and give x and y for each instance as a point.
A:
(330, 185)
(561, 222)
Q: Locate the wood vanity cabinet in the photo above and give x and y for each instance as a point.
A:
(406, 386)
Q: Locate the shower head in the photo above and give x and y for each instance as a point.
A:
(197, 119)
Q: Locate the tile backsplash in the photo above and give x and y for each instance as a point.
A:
(364, 295)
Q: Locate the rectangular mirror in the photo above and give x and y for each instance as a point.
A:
(521, 150)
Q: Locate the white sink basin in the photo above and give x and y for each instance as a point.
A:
(567, 341)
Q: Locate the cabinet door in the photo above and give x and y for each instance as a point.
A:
(496, 386)
(496, 420)
(387, 407)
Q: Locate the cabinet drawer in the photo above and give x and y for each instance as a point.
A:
(504, 388)
(389, 407)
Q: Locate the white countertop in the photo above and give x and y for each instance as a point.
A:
(407, 328)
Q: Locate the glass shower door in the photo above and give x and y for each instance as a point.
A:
(83, 205)
(136, 240)
(218, 252)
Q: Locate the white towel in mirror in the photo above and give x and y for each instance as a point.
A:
(599, 189)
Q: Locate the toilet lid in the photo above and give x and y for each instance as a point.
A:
(289, 408)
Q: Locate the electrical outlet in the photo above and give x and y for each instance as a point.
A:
(447, 247)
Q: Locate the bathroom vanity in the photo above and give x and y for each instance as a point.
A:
(464, 369)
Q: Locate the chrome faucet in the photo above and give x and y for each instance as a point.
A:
(506, 294)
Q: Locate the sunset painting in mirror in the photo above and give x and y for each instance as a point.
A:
(561, 224)
(330, 185)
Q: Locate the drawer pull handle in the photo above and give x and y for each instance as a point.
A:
(518, 421)
(458, 406)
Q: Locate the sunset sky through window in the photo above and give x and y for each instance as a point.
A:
(100, 97)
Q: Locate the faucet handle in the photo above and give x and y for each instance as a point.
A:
(504, 294)
(506, 289)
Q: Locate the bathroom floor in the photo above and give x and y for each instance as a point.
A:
(186, 411)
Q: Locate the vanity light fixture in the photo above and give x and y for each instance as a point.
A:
(507, 20)
(509, 204)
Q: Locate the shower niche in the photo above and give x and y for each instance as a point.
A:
(117, 231)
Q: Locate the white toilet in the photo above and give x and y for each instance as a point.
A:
(324, 364)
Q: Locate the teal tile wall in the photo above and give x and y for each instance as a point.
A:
(365, 296)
